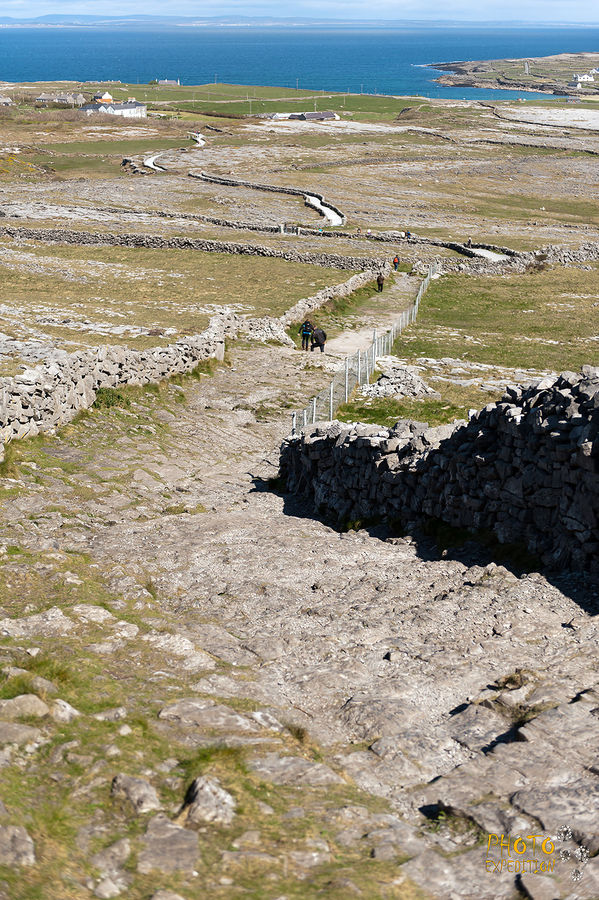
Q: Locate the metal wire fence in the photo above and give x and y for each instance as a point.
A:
(358, 369)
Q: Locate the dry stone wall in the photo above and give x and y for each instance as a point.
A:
(44, 397)
(150, 241)
(273, 188)
(47, 396)
(526, 468)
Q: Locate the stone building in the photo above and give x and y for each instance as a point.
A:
(46, 99)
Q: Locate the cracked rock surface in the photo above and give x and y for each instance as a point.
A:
(265, 703)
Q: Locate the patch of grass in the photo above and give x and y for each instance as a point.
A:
(109, 397)
(176, 509)
(13, 550)
(56, 670)
(298, 732)
(8, 466)
(15, 686)
(514, 680)
(205, 367)
(212, 756)
(546, 319)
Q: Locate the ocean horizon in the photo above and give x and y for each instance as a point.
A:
(368, 59)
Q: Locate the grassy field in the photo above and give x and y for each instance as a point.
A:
(78, 296)
(454, 404)
(545, 319)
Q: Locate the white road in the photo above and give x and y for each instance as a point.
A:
(332, 217)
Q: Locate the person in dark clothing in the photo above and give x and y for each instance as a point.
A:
(380, 280)
(306, 329)
(318, 339)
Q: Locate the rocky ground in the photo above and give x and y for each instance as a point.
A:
(209, 692)
(287, 711)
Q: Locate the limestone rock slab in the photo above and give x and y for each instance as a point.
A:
(206, 714)
(168, 848)
(294, 770)
(16, 847)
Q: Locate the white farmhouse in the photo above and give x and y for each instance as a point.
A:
(128, 109)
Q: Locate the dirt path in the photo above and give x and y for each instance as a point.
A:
(380, 313)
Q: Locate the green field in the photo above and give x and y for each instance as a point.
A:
(86, 296)
(545, 319)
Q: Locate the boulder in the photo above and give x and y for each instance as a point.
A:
(140, 794)
(207, 801)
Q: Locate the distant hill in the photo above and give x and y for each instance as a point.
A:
(140, 21)
(118, 21)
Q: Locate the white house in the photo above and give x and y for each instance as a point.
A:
(128, 109)
(5, 101)
(584, 78)
(169, 81)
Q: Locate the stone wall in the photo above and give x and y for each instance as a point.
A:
(46, 396)
(150, 241)
(273, 188)
(521, 262)
(526, 468)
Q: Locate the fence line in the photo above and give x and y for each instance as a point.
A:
(357, 369)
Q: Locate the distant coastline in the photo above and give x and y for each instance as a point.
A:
(554, 75)
(137, 21)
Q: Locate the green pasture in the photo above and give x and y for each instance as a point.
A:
(546, 319)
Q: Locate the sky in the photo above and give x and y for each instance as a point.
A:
(499, 11)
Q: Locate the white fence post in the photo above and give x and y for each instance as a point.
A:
(314, 410)
(359, 372)
(331, 410)
(293, 423)
(346, 378)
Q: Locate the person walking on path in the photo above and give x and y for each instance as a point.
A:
(380, 280)
(318, 338)
(396, 262)
(306, 329)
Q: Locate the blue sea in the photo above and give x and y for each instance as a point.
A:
(389, 60)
